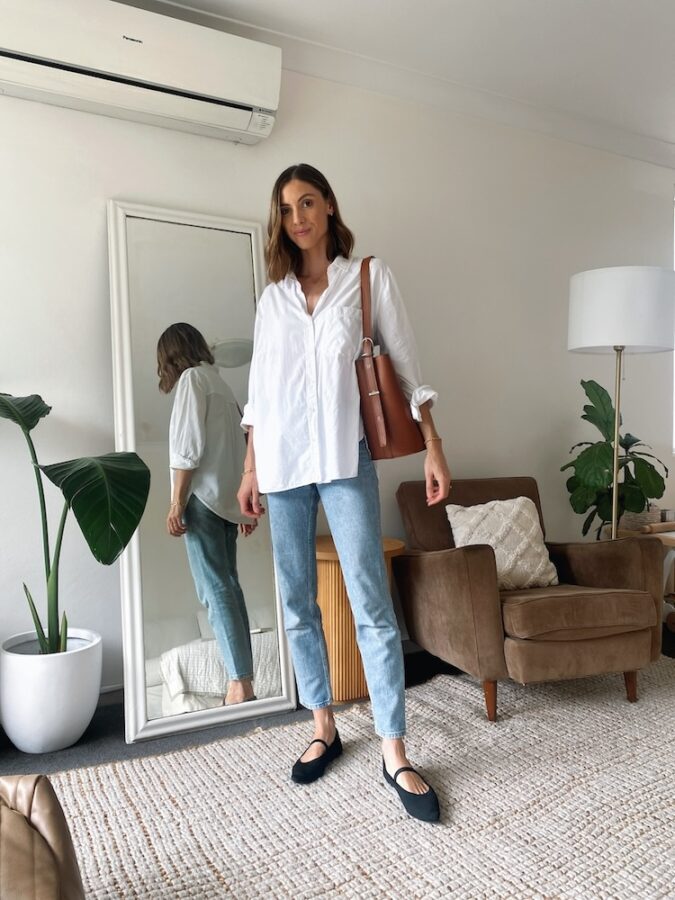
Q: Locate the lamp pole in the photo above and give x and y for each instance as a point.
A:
(618, 349)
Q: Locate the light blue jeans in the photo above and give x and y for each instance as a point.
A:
(352, 507)
(211, 544)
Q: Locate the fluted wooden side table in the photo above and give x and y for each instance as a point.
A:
(347, 679)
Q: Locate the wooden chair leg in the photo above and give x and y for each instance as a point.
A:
(490, 692)
(631, 685)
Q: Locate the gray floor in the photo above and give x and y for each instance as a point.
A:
(103, 742)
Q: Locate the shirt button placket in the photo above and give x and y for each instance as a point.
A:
(312, 418)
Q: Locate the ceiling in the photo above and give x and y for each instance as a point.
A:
(598, 72)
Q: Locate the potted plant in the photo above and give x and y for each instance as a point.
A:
(50, 678)
(590, 486)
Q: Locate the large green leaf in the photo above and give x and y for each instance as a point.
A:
(572, 484)
(651, 483)
(593, 466)
(580, 444)
(635, 453)
(601, 413)
(39, 630)
(604, 504)
(26, 412)
(582, 498)
(633, 498)
(108, 496)
(588, 522)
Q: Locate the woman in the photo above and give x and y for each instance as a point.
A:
(206, 452)
(306, 444)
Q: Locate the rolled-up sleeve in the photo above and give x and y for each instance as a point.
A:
(187, 430)
(394, 334)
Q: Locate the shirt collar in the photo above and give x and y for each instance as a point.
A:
(338, 265)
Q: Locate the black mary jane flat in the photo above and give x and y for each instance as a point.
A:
(306, 772)
(420, 806)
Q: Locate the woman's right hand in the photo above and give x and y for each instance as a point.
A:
(248, 496)
(174, 520)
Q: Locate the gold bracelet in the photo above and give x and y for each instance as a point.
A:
(429, 440)
(247, 472)
(176, 503)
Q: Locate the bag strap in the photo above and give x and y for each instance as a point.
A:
(367, 348)
(365, 302)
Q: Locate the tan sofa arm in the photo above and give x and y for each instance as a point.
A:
(634, 563)
(37, 851)
(452, 608)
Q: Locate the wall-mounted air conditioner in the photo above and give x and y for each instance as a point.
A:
(105, 57)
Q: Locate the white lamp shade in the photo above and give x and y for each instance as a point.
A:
(624, 306)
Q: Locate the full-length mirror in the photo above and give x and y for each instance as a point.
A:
(183, 637)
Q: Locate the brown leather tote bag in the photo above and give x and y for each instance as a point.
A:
(390, 428)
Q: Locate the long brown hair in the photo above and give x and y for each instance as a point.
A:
(281, 254)
(180, 347)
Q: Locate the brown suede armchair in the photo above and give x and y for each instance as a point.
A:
(604, 616)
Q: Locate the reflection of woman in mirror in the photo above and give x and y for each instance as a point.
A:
(306, 445)
(206, 455)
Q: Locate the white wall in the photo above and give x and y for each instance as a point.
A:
(483, 226)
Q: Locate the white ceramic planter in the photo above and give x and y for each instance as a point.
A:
(47, 700)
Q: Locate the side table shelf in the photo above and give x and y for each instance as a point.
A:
(667, 538)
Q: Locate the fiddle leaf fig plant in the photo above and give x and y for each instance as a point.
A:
(107, 495)
(590, 485)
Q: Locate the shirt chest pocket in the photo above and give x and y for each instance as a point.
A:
(341, 331)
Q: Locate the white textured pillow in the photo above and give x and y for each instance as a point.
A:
(512, 529)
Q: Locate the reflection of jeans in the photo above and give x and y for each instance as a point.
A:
(352, 507)
(211, 544)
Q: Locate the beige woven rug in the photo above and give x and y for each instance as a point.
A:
(569, 795)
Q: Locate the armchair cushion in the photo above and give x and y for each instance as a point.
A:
(511, 527)
(569, 612)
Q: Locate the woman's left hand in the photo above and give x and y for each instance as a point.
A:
(436, 474)
(247, 528)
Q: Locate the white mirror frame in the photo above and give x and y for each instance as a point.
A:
(137, 725)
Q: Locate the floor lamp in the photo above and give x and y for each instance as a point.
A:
(625, 309)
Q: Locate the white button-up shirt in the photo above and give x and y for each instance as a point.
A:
(303, 396)
(204, 435)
